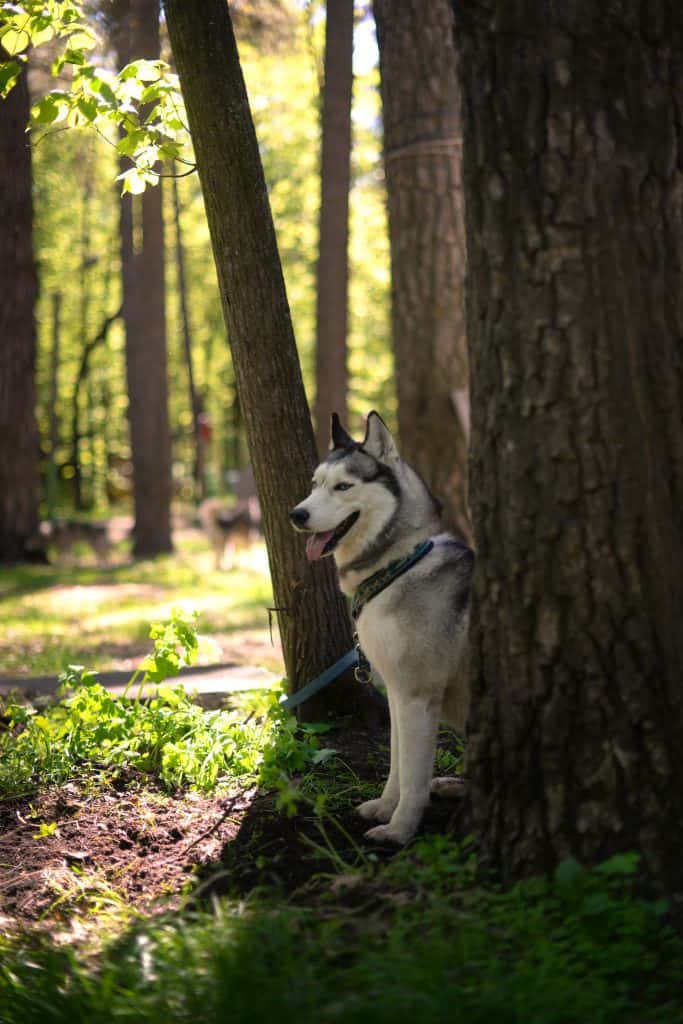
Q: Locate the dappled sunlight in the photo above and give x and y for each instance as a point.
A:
(100, 616)
(112, 857)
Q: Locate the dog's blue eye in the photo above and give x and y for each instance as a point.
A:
(342, 487)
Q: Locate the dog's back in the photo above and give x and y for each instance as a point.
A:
(65, 534)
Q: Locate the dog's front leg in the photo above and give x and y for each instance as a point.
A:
(384, 806)
(418, 722)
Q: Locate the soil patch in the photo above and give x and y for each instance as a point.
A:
(131, 843)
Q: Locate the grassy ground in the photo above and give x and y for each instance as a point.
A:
(99, 616)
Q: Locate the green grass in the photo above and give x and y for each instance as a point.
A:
(424, 940)
(58, 615)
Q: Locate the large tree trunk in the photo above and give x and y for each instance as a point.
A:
(573, 193)
(19, 470)
(137, 32)
(333, 262)
(422, 151)
(314, 624)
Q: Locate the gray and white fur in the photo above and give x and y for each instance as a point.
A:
(369, 508)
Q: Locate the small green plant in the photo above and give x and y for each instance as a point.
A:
(45, 830)
(91, 731)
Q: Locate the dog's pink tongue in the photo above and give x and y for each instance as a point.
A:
(315, 545)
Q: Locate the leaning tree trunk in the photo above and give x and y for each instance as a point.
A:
(422, 151)
(137, 36)
(313, 621)
(19, 449)
(333, 258)
(573, 186)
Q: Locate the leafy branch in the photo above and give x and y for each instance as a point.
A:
(140, 107)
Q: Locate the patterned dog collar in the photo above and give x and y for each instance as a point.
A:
(376, 583)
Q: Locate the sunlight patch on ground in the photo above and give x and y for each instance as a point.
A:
(83, 598)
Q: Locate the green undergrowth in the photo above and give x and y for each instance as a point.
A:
(92, 734)
(423, 939)
(424, 936)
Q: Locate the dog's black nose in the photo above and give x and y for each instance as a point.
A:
(298, 516)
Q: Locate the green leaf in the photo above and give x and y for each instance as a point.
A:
(40, 32)
(9, 72)
(150, 93)
(45, 111)
(72, 56)
(14, 40)
(620, 864)
(147, 70)
(569, 871)
(88, 108)
(45, 830)
(83, 39)
(130, 142)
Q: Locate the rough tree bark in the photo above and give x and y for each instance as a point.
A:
(422, 158)
(573, 141)
(142, 257)
(19, 449)
(314, 624)
(333, 263)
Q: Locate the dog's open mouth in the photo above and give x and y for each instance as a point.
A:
(320, 544)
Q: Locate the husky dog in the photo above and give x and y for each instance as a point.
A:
(229, 527)
(409, 583)
(65, 533)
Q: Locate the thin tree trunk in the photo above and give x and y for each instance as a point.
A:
(314, 624)
(422, 157)
(77, 432)
(196, 404)
(575, 241)
(52, 488)
(335, 175)
(19, 446)
(82, 377)
(145, 319)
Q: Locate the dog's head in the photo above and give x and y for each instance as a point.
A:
(355, 490)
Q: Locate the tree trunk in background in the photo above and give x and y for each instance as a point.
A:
(196, 403)
(333, 263)
(142, 257)
(573, 196)
(314, 624)
(422, 151)
(77, 431)
(52, 474)
(19, 446)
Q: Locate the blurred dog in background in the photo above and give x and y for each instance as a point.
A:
(230, 528)
(65, 534)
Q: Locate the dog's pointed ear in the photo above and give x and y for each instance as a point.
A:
(338, 436)
(378, 440)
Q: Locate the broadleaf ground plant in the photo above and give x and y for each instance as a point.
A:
(91, 732)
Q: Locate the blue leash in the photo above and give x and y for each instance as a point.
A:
(330, 674)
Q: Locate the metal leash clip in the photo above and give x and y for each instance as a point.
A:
(363, 670)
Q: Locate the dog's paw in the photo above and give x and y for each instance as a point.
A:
(389, 834)
(377, 810)
(448, 787)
